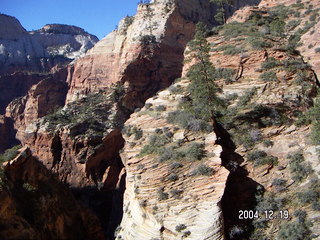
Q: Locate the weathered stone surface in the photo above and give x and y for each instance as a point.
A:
(40, 50)
(192, 200)
(146, 67)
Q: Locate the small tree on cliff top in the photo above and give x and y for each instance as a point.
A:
(203, 90)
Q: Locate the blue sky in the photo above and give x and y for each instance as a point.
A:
(98, 17)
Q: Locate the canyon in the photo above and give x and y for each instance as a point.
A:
(95, 122)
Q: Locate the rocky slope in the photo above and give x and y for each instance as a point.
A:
(167, 198)
(170, 182)
(271, 143)
(142, 65)
(267, 86)
(81, 141)
(146, 51)
(27, 58)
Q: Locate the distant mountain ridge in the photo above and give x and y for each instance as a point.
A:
(40, 50)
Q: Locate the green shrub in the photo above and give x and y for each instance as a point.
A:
(298, 168)
(236, 29)
(89, 116)
(194, 151)
(311, 195)
(127, 21)
(268, 201)
(175, 165)
(269, 76)
(255, 155)
(155, 144)
(261, 158)
(242, 137)
(224, 73)
(317, 50)
(315, 132)
(300, 215)
(173, 177)
(267, 143)
(270, 63)
(160, 108)
(294, 231)
(307, 197)
(228, 49)
(187, 120)
(279, 184)
(138, 133)
(186, 234)
(148, 40)
(176, 89)
(203, 170)
(10, 154)
(232, 51)
(148, 105)
(259, 43)
(162, 195)
(180, 227)
(293, 65)
(313, 17)
(180, 118)
(117, 92)
(277, 27)
(293, 24)
(167, 153)
(281, 12)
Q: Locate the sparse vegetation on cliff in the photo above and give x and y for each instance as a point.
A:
(89, 116)
(9, 154)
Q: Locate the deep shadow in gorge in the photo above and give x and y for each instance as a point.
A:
(105, 199)
(105, 204)
(240, 190)
(7, 134)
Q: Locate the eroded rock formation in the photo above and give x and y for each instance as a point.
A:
(167, 199)
(40, 50)
(27, 58)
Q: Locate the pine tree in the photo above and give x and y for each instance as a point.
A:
(220, 16)
(203, 90)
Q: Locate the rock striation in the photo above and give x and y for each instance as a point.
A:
(28, 58)
(169, 199)
(145, 52)
(42, 49)
(267, 86)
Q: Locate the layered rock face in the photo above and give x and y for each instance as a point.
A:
(166, 199)
(43, 98)
(40, 50)
(27, 58)
(177, 182)
(146, 51)
(35, 95)
(34, 205)
(265, 86)
(310, 26)
(145, 54)
(284, 88)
